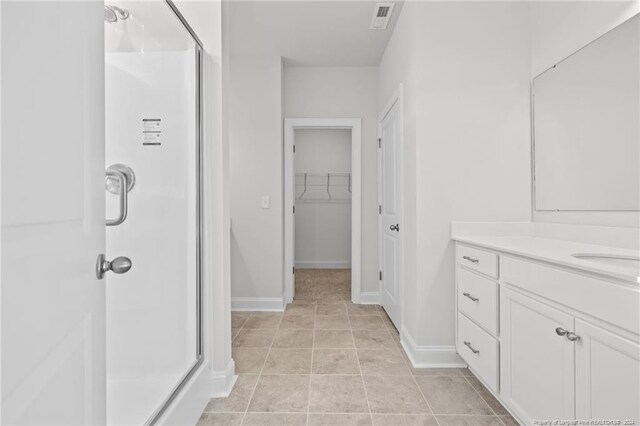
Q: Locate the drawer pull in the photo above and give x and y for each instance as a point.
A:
(475, 299)
(471, 259)
(468, 344)
(561, 331)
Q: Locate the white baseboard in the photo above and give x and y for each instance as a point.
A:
(321, 264)
(430, 356)
(222, 382)
(370, 298)
(272, 304)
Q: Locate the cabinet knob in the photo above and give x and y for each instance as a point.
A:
(572, 336)
(561, 331)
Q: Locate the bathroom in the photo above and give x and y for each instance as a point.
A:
(320, 212)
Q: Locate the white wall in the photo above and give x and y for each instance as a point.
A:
(557, 30)
(465, 69)
(255, 140)
(345, 92)
(323, 227)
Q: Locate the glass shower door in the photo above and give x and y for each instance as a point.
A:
(152, 137)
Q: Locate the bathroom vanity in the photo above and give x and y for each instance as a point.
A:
(551, 326)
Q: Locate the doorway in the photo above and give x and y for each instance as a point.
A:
(322, 205)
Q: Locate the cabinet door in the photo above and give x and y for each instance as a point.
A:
(537, 365)
(607, 375)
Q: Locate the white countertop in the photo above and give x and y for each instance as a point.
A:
(558, 252)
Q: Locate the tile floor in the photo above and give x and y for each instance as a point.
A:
(325, 361)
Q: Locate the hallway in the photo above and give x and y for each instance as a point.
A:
(326, 361)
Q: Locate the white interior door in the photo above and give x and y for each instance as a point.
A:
(53, 191)
(390, 226)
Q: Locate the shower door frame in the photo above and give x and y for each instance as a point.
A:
(160, 411)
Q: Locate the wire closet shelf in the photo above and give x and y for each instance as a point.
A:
(332, 188)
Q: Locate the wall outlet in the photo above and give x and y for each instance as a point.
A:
(266, 202)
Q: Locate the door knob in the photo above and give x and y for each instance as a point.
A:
(395, 227)
(119, 265)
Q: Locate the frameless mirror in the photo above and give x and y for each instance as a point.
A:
(586, 114)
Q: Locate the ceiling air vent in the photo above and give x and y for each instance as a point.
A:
(381, 15)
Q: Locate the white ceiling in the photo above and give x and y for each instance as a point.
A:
(308, 33)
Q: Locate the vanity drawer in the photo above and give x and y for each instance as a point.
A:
(479, 350)
(478, 299)
(478, 260)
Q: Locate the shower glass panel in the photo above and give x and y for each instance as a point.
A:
(152, 129)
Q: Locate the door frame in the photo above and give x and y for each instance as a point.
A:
(290, 126)
(396, 99)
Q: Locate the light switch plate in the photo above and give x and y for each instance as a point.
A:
(266, 202)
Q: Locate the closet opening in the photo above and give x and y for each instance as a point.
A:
(323, 198)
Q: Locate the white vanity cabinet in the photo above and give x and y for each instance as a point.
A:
(607, 374)
(537, 362)
(551, 342)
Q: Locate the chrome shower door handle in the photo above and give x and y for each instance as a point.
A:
(123, 196)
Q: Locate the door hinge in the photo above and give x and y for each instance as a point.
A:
(294, 149)
(380, 275)
(379, 142)
(294, 270)
(380, 209)
(294, 209)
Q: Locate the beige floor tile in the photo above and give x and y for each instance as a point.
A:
(332, 322)
(331, 309)
(404, 420)
(287, 338)
(368, 339)
(220, 419)
(298, 322)
(300, 309)
(436, 372)
(254, 338)
(367, 310)
(452, 395)
(239, 318)
(275, 419)
(382, 362)
(238, 400)
(335, 361)
(367, 323)
(316, 419)
(333, 339)
(288, 361)
(249, 360)
(469, 421)
(394, 394)
(284, 394)
(491, 401)
(337, 394)
(234, 333)
(264, 320)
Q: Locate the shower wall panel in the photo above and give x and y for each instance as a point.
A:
(151, 310)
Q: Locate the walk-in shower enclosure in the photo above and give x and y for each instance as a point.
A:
(152, 119)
